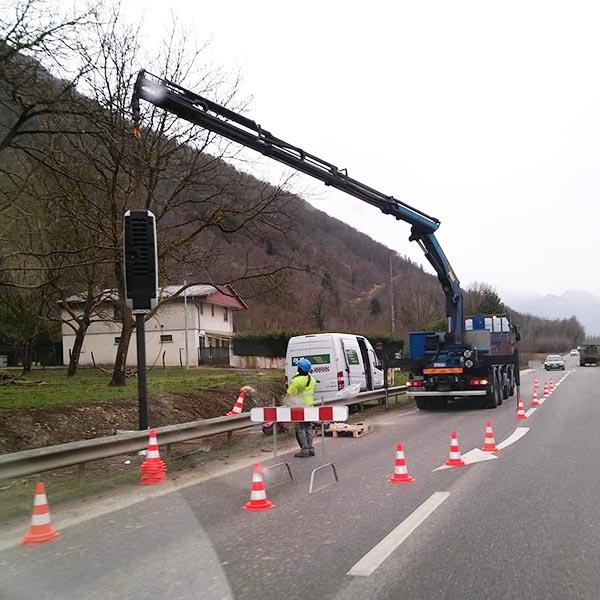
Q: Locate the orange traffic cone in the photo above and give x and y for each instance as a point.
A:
(536, 384)
(489, 444)
(258, 492)
(41, 530)
(520, 410)
(238, 407)
(546, 392)
(401, 474)
(153, 470)
(454, 458)
(535, 401)
(551, 385)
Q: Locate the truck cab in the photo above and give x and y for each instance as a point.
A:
(589, 354)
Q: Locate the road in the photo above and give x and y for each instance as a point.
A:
(524, 525)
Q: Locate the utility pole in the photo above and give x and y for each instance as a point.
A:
(391, 284)
(185, 325)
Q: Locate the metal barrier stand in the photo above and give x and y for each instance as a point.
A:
(324, 465)
(279, 464)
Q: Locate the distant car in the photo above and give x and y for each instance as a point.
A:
(574, 352)
(554, 362)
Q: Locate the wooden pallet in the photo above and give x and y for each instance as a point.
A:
(356, 430)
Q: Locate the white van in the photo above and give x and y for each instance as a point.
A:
(338, 360)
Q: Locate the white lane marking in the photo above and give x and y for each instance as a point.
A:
(531, 411)
(372, 559)
(517, 434)
(472, 456)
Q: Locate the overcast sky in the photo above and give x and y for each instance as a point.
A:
(485, 115)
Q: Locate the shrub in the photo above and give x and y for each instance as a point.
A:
(273, 344)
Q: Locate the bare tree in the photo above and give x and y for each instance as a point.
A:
(37, 38)
(176, 169)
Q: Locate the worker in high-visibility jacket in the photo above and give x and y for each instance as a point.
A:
(301, 392)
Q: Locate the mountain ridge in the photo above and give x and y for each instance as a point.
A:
(581, 304)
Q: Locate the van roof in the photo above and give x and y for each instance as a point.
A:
(323, 335)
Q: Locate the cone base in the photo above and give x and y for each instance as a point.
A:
(149, 481)
(153, 472)
(521, 417)
(490, 448)
(408, 478)
(36, 539)
(455, 462)
(535, 404)
(258, 505)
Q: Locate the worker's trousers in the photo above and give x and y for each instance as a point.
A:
(304, 435)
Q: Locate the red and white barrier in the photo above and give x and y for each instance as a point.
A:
(291, 414)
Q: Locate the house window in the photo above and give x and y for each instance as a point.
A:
(225, 314)
(117, 340)
(166, 338)
(212, 310)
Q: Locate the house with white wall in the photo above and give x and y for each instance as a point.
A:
(204, 313)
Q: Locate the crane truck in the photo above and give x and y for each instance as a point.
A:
(475, 358)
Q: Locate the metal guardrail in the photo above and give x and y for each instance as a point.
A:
(28, 462)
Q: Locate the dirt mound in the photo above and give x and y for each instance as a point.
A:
(21, 429)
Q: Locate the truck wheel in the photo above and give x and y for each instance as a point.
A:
(491, 398)
(421, 403)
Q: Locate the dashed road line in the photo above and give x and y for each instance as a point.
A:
(372, 559)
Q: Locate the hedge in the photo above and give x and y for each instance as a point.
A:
(274, 344)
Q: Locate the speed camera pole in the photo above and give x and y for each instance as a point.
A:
(140, 337)
(141, 288)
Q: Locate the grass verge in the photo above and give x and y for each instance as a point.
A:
(52, 387)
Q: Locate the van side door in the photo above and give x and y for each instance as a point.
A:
(354, 363)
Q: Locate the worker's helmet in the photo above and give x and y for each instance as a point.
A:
(304, 365)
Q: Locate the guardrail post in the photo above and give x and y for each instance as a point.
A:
(229, 438)
(168, 453)
(80, 473)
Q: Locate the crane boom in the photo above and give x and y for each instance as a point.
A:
(216, 118)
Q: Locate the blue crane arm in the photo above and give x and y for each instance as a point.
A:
(231, 125)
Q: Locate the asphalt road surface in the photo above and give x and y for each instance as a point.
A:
(523, 525)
